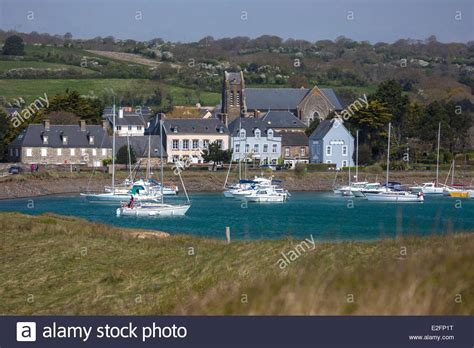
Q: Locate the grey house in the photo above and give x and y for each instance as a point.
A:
(331, 142)
(139, 144)
(61, 144)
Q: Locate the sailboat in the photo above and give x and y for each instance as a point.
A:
(140, 192)
(390, 195)
(156, 208)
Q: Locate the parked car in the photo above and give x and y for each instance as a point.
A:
(15, 170)
(271, 166)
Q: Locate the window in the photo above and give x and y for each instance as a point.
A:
(94, 152)
(220, 143)
(104, 152)
(344, 150)
(73, 152)
(11, 152)
(270, 133)
(45, 139)
(274, 148)
(91, 140)
(242, 133)
(344, 163)
(83, 152)
(329, 150)
(29, 152)
(237, 148)
(175, 144)
(247, 148)
(64, 139)
(195, 144)
(257, 133)
(256, 148)
(287, 151)
(205, 143)
(139, 128)
(129, 128)
(328, 162)
(17, 153)
(44, 152)
(185, 144)
(265, 147)
(302, 151)
(119, 128)
(60, 152)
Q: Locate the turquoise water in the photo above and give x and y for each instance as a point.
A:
(323, 215)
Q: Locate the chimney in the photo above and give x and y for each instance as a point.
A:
(46, 124)
(82, 123)
(223, 117)
(121, 113)
(105, 124)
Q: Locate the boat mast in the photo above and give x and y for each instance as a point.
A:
(452, 177)
(129, 158)
(388, 155)
(113, 147)
(161, 158)
(437, 157)
(357, 156)
(148, 165)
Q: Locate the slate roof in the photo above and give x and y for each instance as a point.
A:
(145, 111)
(140, 145)
(282, 119)
(128, 121)
(294, 139)
(283, 98)
(323, 128)
(194, 126)
(249, 124)
(32, 136)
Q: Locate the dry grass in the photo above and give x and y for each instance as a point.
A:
(59, 265)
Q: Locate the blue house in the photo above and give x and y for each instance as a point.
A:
(331, 142)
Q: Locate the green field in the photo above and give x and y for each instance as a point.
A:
(6, 65)
(31, 89)
(65, 266)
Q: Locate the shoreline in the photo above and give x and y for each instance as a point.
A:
(53, 183)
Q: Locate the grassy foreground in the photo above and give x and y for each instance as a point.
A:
(59, 265)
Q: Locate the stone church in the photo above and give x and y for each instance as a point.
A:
(304, 103)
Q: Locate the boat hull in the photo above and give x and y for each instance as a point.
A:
(261, 199)
(382, 197)
(154, 210)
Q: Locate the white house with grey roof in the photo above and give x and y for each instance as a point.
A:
(187, 138)
(331, 142)
(61, 144)
(253, 139)
(306, 104)
(128, 121)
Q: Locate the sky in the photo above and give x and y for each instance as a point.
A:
(191, 20)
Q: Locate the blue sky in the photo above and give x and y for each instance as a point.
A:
(190, 20)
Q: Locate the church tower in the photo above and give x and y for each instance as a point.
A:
(233, 97)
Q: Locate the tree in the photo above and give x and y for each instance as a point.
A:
(298, 81)
(312, 126)
(14, 46)
(215, 154)
(122, 155)
(4, 131)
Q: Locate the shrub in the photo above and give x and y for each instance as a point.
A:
(320, 167)
(374, 168)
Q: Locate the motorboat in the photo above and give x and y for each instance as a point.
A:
(266, 195)
(152, 209)
(428, 188)
(138, 192)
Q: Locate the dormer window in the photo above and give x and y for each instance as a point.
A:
(221, 130)
(270, 133)
(257, 133)
(175, 129)
(64, 138)
(45, 139)
(91, 139)
(242, 133)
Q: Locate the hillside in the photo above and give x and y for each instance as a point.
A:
(82, 268)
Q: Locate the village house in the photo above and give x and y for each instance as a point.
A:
(331, 142)
(305, 104)
(253, 139)
(61, 144)
(141, 145)
(294, 148)
(128, 121)
(187, 138)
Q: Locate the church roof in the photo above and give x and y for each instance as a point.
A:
(282, 119)
(283, 98)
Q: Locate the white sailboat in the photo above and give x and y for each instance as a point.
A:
(159, 208)
(391, 195)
